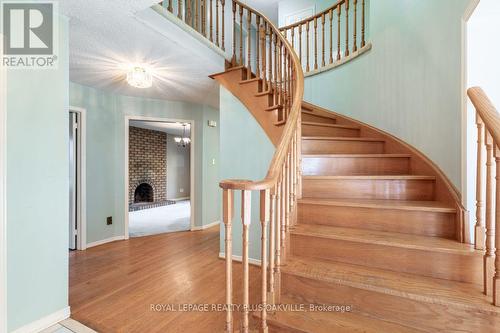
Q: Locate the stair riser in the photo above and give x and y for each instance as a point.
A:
(342, 147)
(317, 119)
(331, 166)
(425, 223)
(444, 265)
(425, 316)
(369, 189)
(310, 130)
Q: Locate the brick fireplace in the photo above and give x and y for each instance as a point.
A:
(147, 166)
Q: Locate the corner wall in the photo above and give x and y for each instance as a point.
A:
(106, 154)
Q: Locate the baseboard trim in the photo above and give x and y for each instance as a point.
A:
(104, 241)
(206, 226)
(251, 261)
(45, 322)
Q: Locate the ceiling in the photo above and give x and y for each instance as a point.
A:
(167, 127)
(106, 36)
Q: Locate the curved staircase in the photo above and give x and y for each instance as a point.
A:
(354, 219)
(377, 235)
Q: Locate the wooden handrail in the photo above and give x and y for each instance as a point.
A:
(291, 125)
(344, 11)
(487, 228)
(274, 65)
(486, 111)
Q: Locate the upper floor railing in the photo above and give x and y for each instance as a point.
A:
(488, 197)
(330, 37)
(205, 16)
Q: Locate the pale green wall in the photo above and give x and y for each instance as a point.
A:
(409, 84)
(37, 187)
(106, 154)
(245, 153)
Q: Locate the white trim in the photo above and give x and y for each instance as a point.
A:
(251, 261)
(104, 241)
(82, 181)
(3, 196)
(467, 14)
(192, 192)
(206, 226)
(45, 322)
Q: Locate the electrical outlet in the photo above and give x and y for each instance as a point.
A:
(181, 190)
(109, 220)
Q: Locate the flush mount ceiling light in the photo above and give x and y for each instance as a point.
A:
(139, 76)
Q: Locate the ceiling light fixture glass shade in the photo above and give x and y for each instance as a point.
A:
(183, 141)
(139, 77)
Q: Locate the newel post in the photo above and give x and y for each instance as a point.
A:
(479, 231)
(227, 216)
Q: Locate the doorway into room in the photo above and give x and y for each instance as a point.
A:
(159, 173)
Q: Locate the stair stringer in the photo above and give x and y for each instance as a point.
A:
(445, 191)
(247, 91)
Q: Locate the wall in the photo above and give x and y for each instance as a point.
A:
(106, 154)
(178, 167)
(409, 83)
(245, 153)
(37, 185)
(147, 162)
(482, 70)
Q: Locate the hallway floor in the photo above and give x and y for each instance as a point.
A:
(170, 218)
(114, 286)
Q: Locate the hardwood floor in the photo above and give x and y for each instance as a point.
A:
(113, 286)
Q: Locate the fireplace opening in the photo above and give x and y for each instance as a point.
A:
(143, 193)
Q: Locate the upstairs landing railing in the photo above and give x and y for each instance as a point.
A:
(205, 16)
(330, 37)
(488, 197)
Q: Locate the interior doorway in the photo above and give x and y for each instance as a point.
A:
(159, 174)
(77, 179)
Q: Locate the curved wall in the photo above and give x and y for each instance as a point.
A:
(409, 84)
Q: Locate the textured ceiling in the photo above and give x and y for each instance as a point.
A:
(106, 35)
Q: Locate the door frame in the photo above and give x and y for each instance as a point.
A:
(192, 185)
(81, 202)
(3, 194)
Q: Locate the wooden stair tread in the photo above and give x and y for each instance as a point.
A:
(317, 115)
(375, 177)
(357, 155)
(434, 206)
(310, 123)
(328, 322)
(385, 238)
(342, 138)
(416, 287)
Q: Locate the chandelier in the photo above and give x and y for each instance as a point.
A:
(183, 141)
